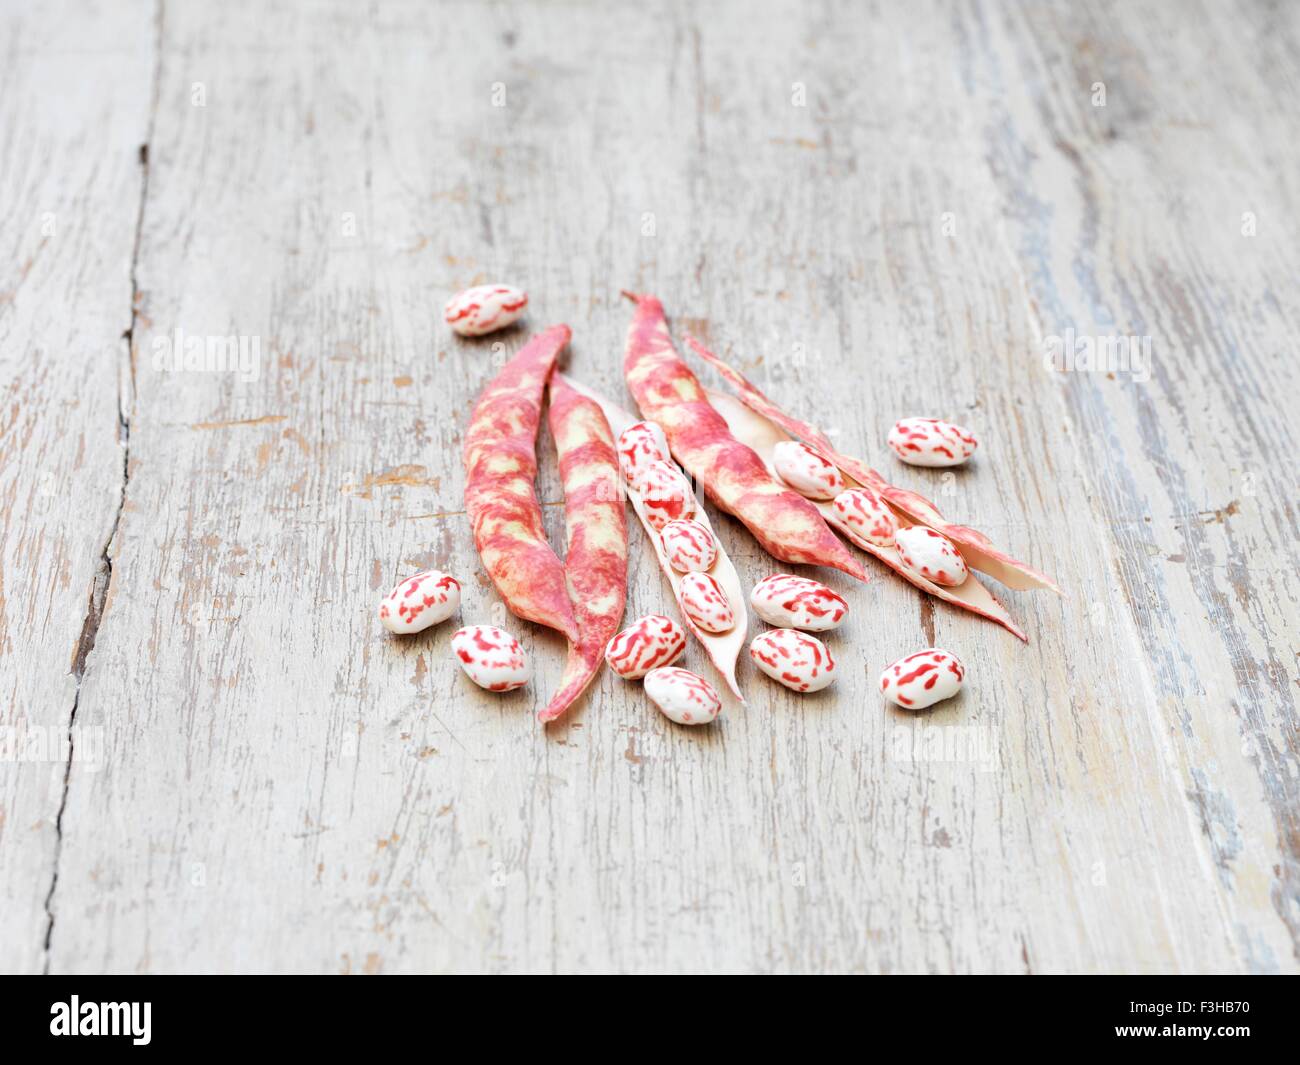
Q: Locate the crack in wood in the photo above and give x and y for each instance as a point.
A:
(104, 571)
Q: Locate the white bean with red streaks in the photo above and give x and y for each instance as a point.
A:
(682, 696)
(646, 644)
(923, 679)
(666, 494)
(429, 598)
(792, 602)
(805, 471)
(688, 546)
(931, 442)
(799, 661)
(491, 657)
(705, 603)
(865, 517)
(484, 309)
(931, 555)
(640, 444)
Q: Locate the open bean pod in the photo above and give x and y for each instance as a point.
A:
(763, 434)
(722, 648)
(977, 549)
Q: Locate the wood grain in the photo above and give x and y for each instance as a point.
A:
(875, 214)
(74, 82)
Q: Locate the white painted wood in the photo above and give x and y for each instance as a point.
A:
(850, 206)
(74, 106)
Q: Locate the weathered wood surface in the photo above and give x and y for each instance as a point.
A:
(850, 203)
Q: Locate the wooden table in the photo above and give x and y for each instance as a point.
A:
(876, 212)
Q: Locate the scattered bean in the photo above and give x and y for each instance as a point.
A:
(646, 644)
(418, 602)
(798, 603)
(491, 657)
(923, 679)
(484, 309)
(930, 442)
(799, 661)
(682, 696)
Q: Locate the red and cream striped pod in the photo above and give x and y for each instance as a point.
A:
(500, 467)
(596, 563)
(786, 525)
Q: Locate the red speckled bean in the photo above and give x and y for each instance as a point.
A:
(646, 644)
(484, 308)
(932, 555)
(666, 494)
(930, 442)
(491, 657)
(426, 599)
(639, 445)
(805, 471)
(798, 603)
(923, 679)
(682, 696)
(799, 661)
(865, 516)
(688, 546)
(705, 603)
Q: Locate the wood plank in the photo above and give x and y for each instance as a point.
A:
(286, 788)
(1152, 233)
(74, 86)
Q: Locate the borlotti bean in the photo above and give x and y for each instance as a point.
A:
(491, 657)
(799, 661)
(640, 444)
(864, 516)
(805, 471)
(931, 555)
(666, 494)
(648, 643)
(923, 679)
(484, 309)
(791, 602)
(428, 598)
(705, 603)
(930, 442)
(688, 546)
(682, 696)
